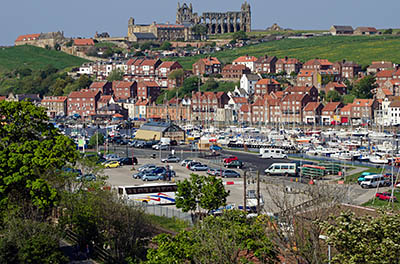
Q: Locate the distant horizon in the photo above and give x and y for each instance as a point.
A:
(84, 18)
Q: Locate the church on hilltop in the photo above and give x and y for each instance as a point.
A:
(214, 23)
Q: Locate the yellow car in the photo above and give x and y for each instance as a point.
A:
(111, 164)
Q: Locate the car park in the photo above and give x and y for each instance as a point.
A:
(160, 147)
(373, 181)
(234, 164)
(199, 167)
(111, 164)
(274, 154)
(128, 161)
(281, 169)
(192, 163)
(230, 159)
(230, 174)
(185, 162)
(111, 157)
(171, 159)
(147, 167)
(86, 177)
(149, 176)
(212, 171)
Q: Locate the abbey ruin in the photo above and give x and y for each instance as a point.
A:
(216, 23)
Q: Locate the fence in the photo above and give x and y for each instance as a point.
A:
(166, 211)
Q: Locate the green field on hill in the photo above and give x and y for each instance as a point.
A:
(361, 49)
(35, 58)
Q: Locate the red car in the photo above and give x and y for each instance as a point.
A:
(385, 196)
(230, 159)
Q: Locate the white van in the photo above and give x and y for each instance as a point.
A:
(373, 181)
(271, 153)
(281, 169)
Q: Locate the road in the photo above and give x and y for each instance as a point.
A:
(123, 176)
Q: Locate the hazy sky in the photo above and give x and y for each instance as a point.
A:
(85, 17)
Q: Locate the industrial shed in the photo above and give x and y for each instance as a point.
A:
(158, 130)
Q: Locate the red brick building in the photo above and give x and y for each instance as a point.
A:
(124, 90)
(209, 65)
(266, 64)
(350, 69)
(231, 71)
(163, 71)
(329, 112)
(147, 67)
(266, 86)
(317, 64)
(103, 87)
(83, 102)
(148, 90)
(341, 88)
(288, 65)
(311, 91)
(206, 104)
(312, 113)
(55, 105)
(292, 107)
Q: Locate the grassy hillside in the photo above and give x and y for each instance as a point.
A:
(35, 58)
(361, 49)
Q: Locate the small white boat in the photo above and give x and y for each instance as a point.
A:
(378, 159)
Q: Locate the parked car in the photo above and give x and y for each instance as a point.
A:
(111, 157)
(147, 167)
(199, 167)
(215, 172)
(234, 164)
(192, 163)
(149, 176)
(230, 174)
(163, 172)
(171, 159)
(230, 159)
(160, 146)
(385, 196)
(111, 164)
(185, 162)
(86, 177)
(139, 174)
(128, 161)
(373, 181)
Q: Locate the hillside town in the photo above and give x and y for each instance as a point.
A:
(201, 141)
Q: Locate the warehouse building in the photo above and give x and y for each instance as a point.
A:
(158, 130)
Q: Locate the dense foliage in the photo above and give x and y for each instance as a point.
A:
(229, 238)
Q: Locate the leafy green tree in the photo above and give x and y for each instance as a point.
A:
(199, 30)
(176, 75)
(28, 241)
(229, 238)
(388, 31)
(115, 75)
(166, 45)
(201, 192)
(333, 96)
(57, 88)
(84, 82)
(348, 98)
(364, 239)
(363, 88)
(209, 85)
(31, 149)
(96, 139)
(146, 45)
(239, 35)
(190, 84)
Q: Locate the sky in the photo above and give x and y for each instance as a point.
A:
(82, 18)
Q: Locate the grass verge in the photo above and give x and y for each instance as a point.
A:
(173, 224)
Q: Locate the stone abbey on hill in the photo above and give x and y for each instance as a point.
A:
(215, 23)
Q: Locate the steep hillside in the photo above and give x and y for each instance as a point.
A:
(35, 58)
(361, 49)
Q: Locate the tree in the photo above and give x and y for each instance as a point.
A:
(96, 139)
(190, 84)
(201, 192)
(28, 241)
(166, 45)
(210, 85)
(333, 96)
(239, 35)
(388, 31)
(229, 238)
(84, 82)
(363, 88)
(364, 239)
(115, 75)
(57, 88)
(31, 149)
(199, 30)
(146, 46)
(348, 98)
(176, 75)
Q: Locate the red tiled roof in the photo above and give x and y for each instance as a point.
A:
(259, 102)
(336, 84)
(246, 59)
(138, 62)
(293, 97)
(278, 94)
(27, 37)
(96, 85)
(318, 61)
(105, 98)
(148, 63)
(386, 92)
(5, 97)
(210, 61)
(83, 42)
(168, 64)
(288, 61)
(381, 64)
(83, 94)
(298, 89)
(363, 102)
(59, 99)
(305, 73)
(239, 100)
(385, 73)
(395, 104)
(311, 106)
(149, 84)
(118, 115)
(331, 106)
(394, 82)
(346, 108)
(122, 84)
(267, 81)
